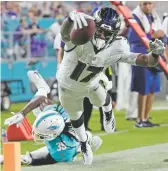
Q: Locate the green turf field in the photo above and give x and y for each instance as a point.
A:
(126, 137)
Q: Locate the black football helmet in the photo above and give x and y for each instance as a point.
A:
(108, 24)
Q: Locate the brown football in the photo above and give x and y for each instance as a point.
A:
(82, 36)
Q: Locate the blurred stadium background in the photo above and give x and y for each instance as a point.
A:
(27, 37)
(24, 48)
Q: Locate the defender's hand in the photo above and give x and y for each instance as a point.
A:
(79, 19)
(16, 119)
(157, 47)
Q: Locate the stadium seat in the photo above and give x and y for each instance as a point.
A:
(51, 51)
(11, 24)
(45, 23)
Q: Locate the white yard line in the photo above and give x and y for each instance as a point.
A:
(164, 125)
(125, 130)
(160, 108)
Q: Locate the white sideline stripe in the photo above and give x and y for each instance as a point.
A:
(117, 132)
(164, 125)
(123, 131)
(153, 108)
(160, 108)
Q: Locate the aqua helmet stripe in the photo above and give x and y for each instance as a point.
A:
(44, 117)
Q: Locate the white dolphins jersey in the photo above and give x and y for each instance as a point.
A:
(82, 67)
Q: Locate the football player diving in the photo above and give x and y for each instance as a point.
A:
(52, 126)
(80, 71)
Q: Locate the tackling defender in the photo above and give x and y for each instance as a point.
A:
(79, 73)
(52, 126)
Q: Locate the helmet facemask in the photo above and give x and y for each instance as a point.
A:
(107, 27)
(40, 138)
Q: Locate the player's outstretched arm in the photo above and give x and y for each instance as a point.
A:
(151, 59)
(39, 101)
(146, 60)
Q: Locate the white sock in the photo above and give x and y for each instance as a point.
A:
(40, 153)
(81, 133)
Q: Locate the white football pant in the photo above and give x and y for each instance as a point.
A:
(72, 100)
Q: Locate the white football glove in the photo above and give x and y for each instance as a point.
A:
(79, 19)
(26, 159)
(157, 47)
(16, 119)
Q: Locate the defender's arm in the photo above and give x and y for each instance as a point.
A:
(39, 101)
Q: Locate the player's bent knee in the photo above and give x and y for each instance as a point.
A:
(99, 102)
(98, 96)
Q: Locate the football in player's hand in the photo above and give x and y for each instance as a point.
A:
(82, 36)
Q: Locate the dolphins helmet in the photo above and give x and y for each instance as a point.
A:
(48, 126)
